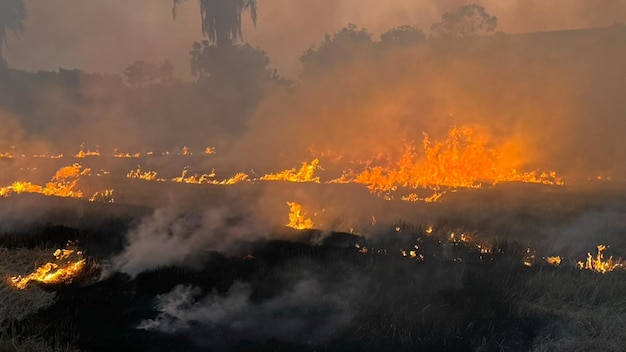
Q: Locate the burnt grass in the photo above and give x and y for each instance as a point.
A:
(456, 299)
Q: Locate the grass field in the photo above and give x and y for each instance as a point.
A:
(468, 274)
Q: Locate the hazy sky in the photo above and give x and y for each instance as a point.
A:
(108, 35)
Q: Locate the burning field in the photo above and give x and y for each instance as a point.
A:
(457, 190)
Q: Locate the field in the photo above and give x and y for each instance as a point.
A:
(213, 270)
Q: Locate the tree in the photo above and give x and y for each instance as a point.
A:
(342, 47)
(142, 74)
(12, 17)
(221, 19)
(234, 65)
(402, 36)
(468, 21)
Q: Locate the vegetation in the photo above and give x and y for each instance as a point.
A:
(12, 17)
(221, 19)
(453, 298)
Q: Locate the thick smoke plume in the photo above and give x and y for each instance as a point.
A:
(171, 236)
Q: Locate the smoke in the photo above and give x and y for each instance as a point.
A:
(176, 236)
(539, 101)
(589, 229)
(108, 35)
(304, 312)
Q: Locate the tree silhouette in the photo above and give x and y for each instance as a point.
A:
(468, 21)
(12, 16)
(221, 19)
(343, 47)
(142, 74)
(402, 36)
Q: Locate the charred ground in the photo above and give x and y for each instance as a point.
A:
(313, 290)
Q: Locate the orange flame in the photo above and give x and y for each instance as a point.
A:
(118, 154)
(238, 177)
(599, 264)
(306, 173)
(63, 184)
(145, 175)
(194, 179)
(105, 196)
(556, 261)
(462, 160)
(82, 153)
(297, 218)
(63, 270)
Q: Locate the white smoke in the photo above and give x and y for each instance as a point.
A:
(304, 312)
(171, 236)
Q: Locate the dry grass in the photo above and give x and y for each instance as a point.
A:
(17, 304)
(585, 311)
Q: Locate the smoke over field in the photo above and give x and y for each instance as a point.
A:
(447, 177)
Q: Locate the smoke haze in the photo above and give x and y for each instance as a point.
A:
(108, 35)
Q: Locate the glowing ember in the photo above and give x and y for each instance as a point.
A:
(6, 155)
(185, 151)
(69, 263)
(297, 218)
(306, 173)
(529, 257)
(556, 261)
(599, 263)
(209, 150)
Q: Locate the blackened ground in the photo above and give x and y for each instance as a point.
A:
(456, 299)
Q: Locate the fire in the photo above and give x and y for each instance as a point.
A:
(463, 160)
(194, 179)
(413, 197)
(69, 263)
(209, 150)
(144, 175)
(297, 218)
(63, 184)
(185, 151)
(599, 263)
(48, 156)
(105, 196)
(6, 155)
(239, 177)
(556, 261)
(82, 153)
(529, 257)
(118, 154)
(306, 173)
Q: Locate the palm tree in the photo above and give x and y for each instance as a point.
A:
(12, 16)
(221, 19)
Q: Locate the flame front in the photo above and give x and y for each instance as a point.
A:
(306, 173)
(63, 184)
(463, 160)
(69, 263)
